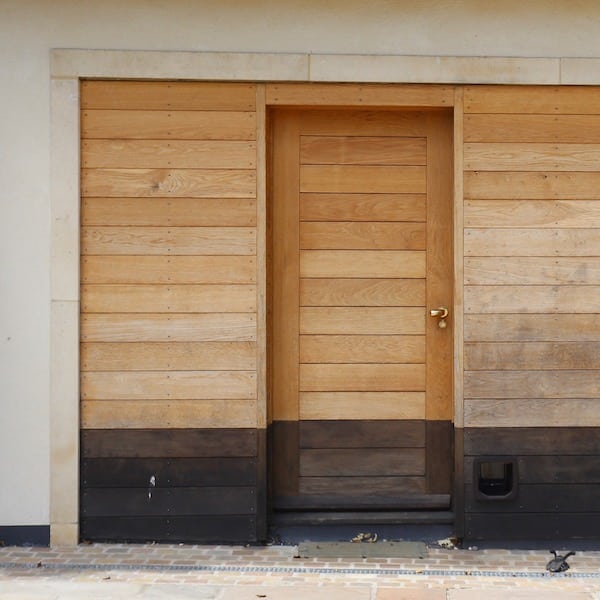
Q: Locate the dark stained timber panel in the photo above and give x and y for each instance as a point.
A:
(557, 483)
(190, 485)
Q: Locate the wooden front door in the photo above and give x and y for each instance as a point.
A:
(361, 373)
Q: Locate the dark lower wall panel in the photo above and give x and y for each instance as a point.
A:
(24, 535)
(187, 485)
(556, 483)
(229, 529)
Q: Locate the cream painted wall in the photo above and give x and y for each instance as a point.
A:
(29, 29)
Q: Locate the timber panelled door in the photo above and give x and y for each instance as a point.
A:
(170, 443)
(361, 280)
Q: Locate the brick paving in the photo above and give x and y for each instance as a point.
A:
(274, 572)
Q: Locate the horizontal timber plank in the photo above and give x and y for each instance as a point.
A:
(160, 327)
(576, 129)
(169, 385)
(362, 292)
(163, 298)
(362, 378)
(172, 529)
(515, 356)
(583, 214)
(368, 236)
(363, 179)
(168, 269)
(177, 183)
(530, 526)
(548, 100)
(172, 241)
(532, 412)
(546, 185)
(168, 414)
(323, 94)
(381, 406)
(541, 498)
(362, 434)
(551, 469)
(168, 154)
(169, 443)
(532, 271)
(362, 263)
(172, 472)
(525, 242)
(136, 502)
(363, 207)
(568, 384)
(532, 328)
(168, 125)
(531, 157)
(361, 486)
(494, 299)
(368, 500)
(362, 349)
(362, 320)
(168, 356)
(362, 150)
(362, 462)
(535, 441)
(186, 212)
(167, 95)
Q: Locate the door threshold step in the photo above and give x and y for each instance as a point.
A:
(438, 517)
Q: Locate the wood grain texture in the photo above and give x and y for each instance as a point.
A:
(177, 183)
(168, 356)
(515, 356)
(167, 125)
(361, 377)
(174, 212)
(167, 95)
(531, 157)
(532, 412)
(527, 242)
(167, 414)
(142, 298)
(362, 179)
(367, 236)
(518, 128)
(378, 95)
(362, 486)
(532, 213)
(168, 385)
(362, 348)
(362, 320)
(532, 328)
(569, 299)
(168, 269)
(361, 461)
(166, 154)
(333, 406)
(363, 207)
(362, 292)
(530, 384)
(546, 185)
(172, 241)
(532, 271)
(378, 406)
(539, 100)
(363, 150)
(362, 263)
(155, 327)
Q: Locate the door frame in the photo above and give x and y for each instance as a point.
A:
(67, 68)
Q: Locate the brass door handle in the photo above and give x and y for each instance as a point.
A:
(441, 313)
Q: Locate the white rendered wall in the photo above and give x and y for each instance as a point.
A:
(29, 29)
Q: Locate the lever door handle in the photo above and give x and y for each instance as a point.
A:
(441, 313)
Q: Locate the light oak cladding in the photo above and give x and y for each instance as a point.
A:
(168, 255)
(531, 248)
